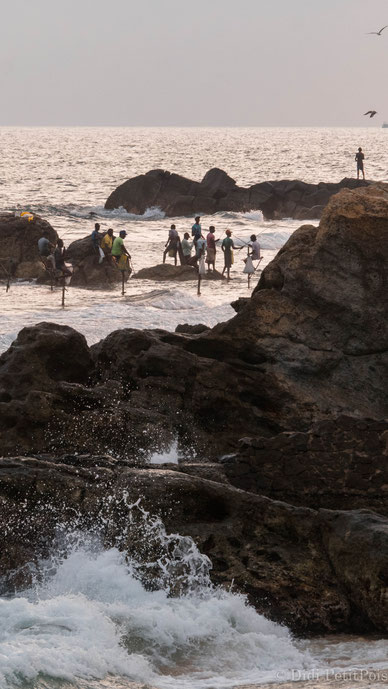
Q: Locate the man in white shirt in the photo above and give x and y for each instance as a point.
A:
(255, 248)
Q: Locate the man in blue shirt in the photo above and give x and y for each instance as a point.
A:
(196, 230)
(96, 238)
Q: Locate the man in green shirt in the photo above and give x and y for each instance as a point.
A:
(119, 251)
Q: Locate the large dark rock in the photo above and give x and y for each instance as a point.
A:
(317, 322)
(19, 246)
(176, 195)
(87, 269)
(316, 571)
(339, 464)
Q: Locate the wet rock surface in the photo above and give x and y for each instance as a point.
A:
(296, 565)
(176, 195)
(179, 273)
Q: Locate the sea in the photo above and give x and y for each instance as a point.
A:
(88, 620)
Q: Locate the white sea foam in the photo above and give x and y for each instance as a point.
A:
(152, 213)
(169, 456)
(92, 617)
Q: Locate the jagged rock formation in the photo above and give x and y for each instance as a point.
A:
(316, 571)
(19, 246)
(339, 464)
(310, 344)
(176, 195)
(166, 271)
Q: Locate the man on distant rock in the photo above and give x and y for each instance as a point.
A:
(196, 230)
(96, 238)
(120, 253)
(360, 163)
(46, 248)
(172, 244)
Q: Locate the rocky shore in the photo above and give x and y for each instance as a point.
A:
(218, 192)
(295, 513)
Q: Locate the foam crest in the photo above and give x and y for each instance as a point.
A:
(152, 617)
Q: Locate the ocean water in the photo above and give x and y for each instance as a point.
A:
(89, 621)
(66, 175)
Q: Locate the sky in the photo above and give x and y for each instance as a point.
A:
(193, 63)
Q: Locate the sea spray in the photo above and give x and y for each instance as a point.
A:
(142, 608)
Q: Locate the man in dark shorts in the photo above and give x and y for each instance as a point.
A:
(360, 163)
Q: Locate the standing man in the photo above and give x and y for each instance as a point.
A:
(186, 247)
(227, 247)
(172, 244)
(360, 163)
(211, 249)
(196, 230)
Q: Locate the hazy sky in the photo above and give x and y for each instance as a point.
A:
(197, 62)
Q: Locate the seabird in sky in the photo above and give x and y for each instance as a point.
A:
(371, 113)
(377, 33)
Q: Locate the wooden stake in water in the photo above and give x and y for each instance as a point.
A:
(122, 283)
(199, 286)
(63, 296)
(9, 278)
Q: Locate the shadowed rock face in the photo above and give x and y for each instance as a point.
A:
(339, 464)
(176, 195)
(298, 566)
(318, 318)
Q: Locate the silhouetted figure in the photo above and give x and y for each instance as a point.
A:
(359, 157)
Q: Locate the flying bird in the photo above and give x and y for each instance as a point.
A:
(377, 33)
(371, 113)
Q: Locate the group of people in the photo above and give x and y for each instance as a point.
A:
(205, 247)
(107, 245)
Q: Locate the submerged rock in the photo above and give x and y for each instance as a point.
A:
(166, 271)
(175, 195)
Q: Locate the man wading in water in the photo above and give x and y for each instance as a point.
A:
(360, 163)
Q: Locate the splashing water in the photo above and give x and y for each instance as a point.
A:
(93, 612)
